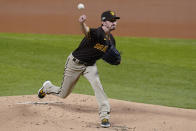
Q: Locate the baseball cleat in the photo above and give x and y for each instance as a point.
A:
(41, 93)
(105, 123)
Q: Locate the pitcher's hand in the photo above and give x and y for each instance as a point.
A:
(82, 18)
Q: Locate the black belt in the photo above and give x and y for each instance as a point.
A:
(81, 62)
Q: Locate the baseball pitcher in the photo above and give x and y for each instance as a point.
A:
(98, 43)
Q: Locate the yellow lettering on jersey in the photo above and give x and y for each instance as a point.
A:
(101, 47)
(105, 48)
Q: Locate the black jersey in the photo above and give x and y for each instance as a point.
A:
(93, 46)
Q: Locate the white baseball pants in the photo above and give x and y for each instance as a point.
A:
(72, 73)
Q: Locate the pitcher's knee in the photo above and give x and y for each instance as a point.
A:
(63, 94)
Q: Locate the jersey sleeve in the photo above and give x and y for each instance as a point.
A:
(113, 40)
(92, 34)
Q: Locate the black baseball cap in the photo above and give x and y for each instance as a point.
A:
(109, 16)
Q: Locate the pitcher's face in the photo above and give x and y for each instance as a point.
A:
(110, 25)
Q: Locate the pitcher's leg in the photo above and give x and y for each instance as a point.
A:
(92, 76)
(72, 73)
(70, 79)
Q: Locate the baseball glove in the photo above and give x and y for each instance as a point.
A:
(112, 56)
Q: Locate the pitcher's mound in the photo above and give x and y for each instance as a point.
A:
(80, 113)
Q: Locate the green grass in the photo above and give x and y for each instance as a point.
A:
(155, 71)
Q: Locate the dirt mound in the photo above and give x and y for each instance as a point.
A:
(80, 112)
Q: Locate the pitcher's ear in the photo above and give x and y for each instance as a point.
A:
(103, 23)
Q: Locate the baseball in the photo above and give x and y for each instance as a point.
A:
(80, 6)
